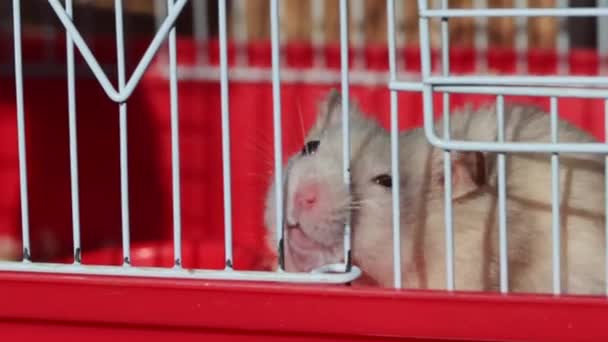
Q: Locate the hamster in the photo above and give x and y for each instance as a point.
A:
(475, 209)
(317, 201)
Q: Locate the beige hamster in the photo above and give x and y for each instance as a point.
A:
(317, 202)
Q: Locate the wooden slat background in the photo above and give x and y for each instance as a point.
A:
(297, 25)
(97, 16)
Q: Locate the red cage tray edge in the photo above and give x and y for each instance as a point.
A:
(116, 307)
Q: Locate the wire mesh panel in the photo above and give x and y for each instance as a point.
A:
(226, 298)
(121, 95)
(443, 81)
(524, 85)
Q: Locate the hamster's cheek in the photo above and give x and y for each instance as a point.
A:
(378, 197)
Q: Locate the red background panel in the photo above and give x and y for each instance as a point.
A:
(121, 308)
(134, 309)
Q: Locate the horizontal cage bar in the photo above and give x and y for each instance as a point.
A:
(515, 12)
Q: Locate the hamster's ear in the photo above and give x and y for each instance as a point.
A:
(330, 111)
(468, 172)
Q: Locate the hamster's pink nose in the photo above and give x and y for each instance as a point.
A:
(307, 196)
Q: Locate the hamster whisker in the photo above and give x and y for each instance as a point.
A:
(261, 151)
(257, 175)
(301, 120)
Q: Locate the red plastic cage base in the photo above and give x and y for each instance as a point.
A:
(125, 309)
(138, 309)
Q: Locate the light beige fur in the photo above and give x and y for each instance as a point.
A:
(475, 206)
(475, 213)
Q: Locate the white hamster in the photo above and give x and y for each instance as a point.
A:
(317, 202)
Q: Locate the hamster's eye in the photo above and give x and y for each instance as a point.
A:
(310, 147)
(384, 180)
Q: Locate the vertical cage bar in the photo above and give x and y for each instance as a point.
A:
(200, 29)
(160, 11)
(317, 36)
(502, 201)
(606, 194)
(399, 21)
(481, 38)
(447, 158)
(555, 199)
(239, 24)
(74, 183)
(521, 38)
(400, 38)
(358, 19)
(563, 41)
(283, 38)
(436, 4)
(390, 15)
(225, 134)
(602, 37)
(25, 215)
(345, 120)
(175, 169)
(276, 115)
(124, 172)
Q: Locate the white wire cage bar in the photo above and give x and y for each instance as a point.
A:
(225, 136)
(555, 201)
(239, 26)
(563, 41)
(502, 202)
(521, 38)
(201, 34)
(25, 226)
(122, 127)
(317, 36)
(513, 12)
(392, 41)
(87, 55)
(449, 226)
(481, 37)
(345, 121)
(276, 120)
(606, 188)
(175, 158)
(74, 184)
(602, 33)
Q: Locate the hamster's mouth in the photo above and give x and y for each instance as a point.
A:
(303, 253)
(298, 239)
